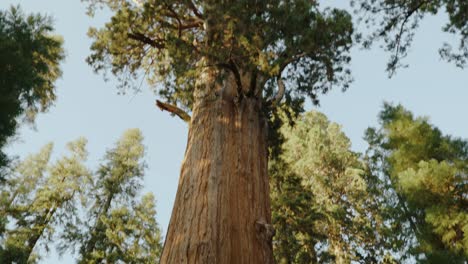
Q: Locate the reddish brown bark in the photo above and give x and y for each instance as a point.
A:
(222, 208)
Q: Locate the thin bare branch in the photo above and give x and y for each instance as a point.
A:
(176, 16)
(402, 27)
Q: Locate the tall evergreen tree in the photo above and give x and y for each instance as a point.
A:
(229, 63)
(327, 207)
(30, 55)
(45, 203)
(118, 227)
(40, 198)
(428, 172)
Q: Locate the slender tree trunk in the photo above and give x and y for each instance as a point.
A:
(98, 231)
(222, 208)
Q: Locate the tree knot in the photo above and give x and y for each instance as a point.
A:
(264, 230)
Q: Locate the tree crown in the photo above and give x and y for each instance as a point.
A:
(172, 42)
(30, 56)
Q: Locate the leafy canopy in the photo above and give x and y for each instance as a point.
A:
(172, 42)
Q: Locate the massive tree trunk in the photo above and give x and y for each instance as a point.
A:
(222, 208)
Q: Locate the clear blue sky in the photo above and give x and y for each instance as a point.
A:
(87, 106)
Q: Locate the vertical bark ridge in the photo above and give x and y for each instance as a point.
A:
(223, 188)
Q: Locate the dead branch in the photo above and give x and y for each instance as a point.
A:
(173, 110)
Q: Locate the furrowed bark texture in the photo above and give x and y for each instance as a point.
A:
(222, 208)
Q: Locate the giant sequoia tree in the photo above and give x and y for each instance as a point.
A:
(229, 63)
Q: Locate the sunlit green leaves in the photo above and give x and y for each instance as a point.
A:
(41, 198)
(428, 171)
(322, 205)
(405, 200)
(118, 227)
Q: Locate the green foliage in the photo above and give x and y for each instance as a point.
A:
(323, 208)
(395, 22)
(428, 172)
(396, 238)
(118, 227)
(39, 199)
(173, 42)
(30, 55)
(292, 216)
(43, 203)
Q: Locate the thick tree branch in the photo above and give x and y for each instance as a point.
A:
(177, 17)
(281, 90)
(183, 23)
(232, 67)
(159, 44)
(235, 70)
(174, 110)
(261, 80)
(194, 24)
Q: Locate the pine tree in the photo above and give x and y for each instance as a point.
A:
(30, 55)
(118, 227)
(40, 198)
(66, 205)
(223, 60)
(326, 208)
(427, 170)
